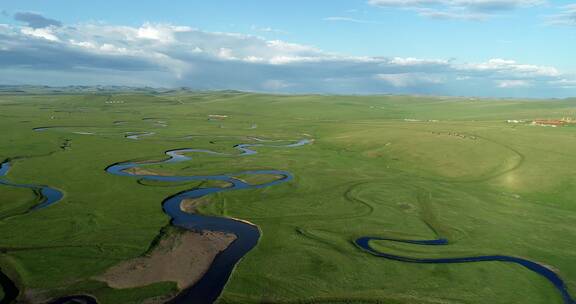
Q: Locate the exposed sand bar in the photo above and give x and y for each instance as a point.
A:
(143, 171)
(182, 258)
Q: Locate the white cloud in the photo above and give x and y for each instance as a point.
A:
(567, 16)
(457, 9)
(490, 5)
(564, 83)
(183, 56)
(149, 32)
(348, 19)
(511, 67)
(35, 20)
(410, 79)
(496, 5)
(456, 14)
(508, 84)
(282, 46)
(267, 30)
(275, 85)
(404, 3)
(411, 61)
(44, 33)
(160, 32)
(226, 53)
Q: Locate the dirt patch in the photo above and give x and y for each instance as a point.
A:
(191, 205)
(142, 171)
(216, 184)
(182, 258)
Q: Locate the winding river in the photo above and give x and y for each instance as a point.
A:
(209, 287)
(364, 244)
(10, 289)
(47, 196)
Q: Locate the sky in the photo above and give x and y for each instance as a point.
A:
(489, 48)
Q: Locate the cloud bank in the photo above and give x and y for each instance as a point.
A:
(457, 9)
(567, 16)
(43, 51)
(35, 20)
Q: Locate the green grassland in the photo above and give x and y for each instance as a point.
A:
(389, 166)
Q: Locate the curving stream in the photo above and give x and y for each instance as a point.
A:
(11, 291)
(364, 244)
(209, 287)
(47, 196)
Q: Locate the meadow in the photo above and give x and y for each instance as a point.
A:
(400, 167)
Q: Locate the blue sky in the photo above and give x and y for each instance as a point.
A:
(516, 48)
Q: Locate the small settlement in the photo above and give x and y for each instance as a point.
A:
(546, 122)
(553, 122)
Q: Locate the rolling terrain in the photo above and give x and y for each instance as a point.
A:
(309, 175)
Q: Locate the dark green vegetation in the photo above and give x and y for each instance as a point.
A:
(380, 166)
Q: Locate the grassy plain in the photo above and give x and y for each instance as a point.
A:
(390, 166)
